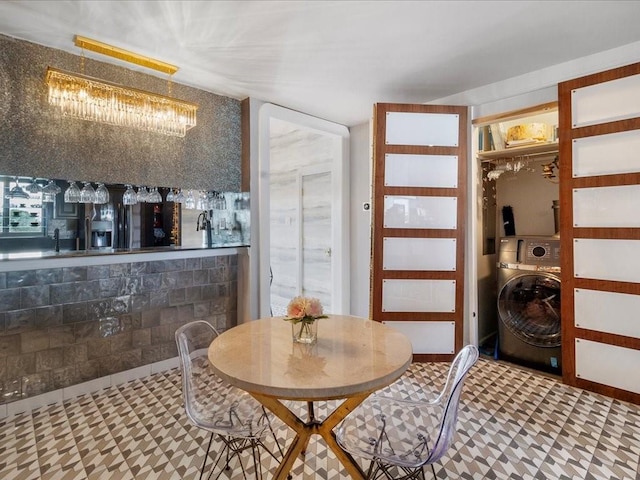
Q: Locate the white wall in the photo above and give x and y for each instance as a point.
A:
(531, 198)
(360, 187)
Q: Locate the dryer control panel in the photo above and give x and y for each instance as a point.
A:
(540, 252)
(535, 251)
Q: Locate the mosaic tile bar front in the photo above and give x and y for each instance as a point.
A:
(64, 326)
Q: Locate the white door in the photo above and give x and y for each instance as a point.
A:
(303, 221)
(315, 268)
(300, 231)
(419, 225)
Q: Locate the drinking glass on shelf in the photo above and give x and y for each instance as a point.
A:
(72, 193)
(129, 197)
(87, 194)
(102, 194)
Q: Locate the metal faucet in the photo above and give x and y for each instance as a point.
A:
(203, 223)
(56, 239)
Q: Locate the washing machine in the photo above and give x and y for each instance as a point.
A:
(529, 329)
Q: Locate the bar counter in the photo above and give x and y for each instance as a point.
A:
(71, 318)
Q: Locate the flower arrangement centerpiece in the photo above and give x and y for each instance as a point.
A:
(303, 312)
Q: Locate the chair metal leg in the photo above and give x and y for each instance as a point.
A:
(233, 447)
(206, 454)
(379, 470)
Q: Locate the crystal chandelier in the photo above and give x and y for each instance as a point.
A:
(88, 98)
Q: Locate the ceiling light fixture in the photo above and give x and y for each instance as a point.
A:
(89, 98)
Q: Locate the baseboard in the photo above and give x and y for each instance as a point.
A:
(63, 394)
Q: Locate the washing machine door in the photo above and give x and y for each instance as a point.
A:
(529, 306)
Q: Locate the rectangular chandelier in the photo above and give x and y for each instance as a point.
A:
(88, 98)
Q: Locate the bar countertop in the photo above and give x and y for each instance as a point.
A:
(53, 259)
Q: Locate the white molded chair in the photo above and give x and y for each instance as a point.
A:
(214, 405)
(400, 437)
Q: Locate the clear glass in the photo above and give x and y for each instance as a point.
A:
(170, 196)
(33, 187)
(202, 203)
(87, 194)
(180, 197)
(72, 193)
(154, 196)
(305, 331)
(129, 197)
(190, 201)
(50, 191)
(17, 192)
(142, 194)
(102, 194)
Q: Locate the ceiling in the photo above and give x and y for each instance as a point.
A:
(335, 59)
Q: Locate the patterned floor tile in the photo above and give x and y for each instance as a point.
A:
(513, 423)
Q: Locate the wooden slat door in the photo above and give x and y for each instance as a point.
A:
(600, 231)
(419, 214)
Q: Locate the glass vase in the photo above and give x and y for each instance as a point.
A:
(305, 332)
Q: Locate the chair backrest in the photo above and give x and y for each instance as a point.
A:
(192, 340)
(450, 397)
(210, 402)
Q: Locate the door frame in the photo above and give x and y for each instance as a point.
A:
(340, 213)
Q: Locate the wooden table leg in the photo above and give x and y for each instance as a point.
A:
(304, 430)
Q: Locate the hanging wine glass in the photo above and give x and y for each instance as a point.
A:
(87, 194)
(154, 196)
(49, 191)
(170, 196)
(130, 197)
(33, 187)
(102, 194)
(190, 201)
(180, 197)
(17, 191)
(211, 201)
(201, 202)
(143, 194)
(72, 193)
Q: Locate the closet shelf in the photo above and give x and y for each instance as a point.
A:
(535, 150)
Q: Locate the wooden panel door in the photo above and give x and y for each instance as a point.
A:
(600, 231)
(419, 214)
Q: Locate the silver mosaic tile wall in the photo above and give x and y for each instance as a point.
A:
(36, 140)
(63, 326)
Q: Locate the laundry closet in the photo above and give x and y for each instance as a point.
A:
(519, 244)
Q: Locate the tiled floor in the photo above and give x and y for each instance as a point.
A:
(513, 424)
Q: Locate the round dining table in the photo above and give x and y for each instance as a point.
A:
(352, 358)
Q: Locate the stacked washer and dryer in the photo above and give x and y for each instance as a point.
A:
(529, 329)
